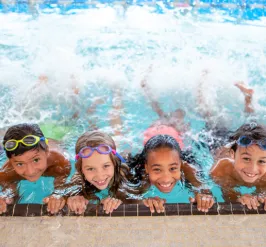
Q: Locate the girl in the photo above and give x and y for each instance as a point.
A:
(244, 166)
(100, 173)
(160, 164)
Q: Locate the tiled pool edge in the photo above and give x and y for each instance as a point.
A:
(92, 210)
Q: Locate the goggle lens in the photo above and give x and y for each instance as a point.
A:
(245, 141)
(104, 149)
(263, 144)
(10, 144)
(29, 140)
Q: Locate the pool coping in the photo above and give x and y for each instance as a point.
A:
(125, 210)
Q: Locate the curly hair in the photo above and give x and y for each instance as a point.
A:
(137, 163)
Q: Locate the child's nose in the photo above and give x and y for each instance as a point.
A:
(166, 177)
(100, 174)
(30, 170)
(254, 167)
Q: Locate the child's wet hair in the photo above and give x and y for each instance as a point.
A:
(18, 132)
(137, 163)
(252, 130)
(94, 139)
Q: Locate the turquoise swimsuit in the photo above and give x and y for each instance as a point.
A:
(179, 194)
(35, 192)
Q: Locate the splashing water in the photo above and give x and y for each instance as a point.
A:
(45, 57)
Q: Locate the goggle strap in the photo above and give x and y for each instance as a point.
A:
(119, 156)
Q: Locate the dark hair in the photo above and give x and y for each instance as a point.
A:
(252, 130)
(137, 163)
(121, 173)
(17, 132)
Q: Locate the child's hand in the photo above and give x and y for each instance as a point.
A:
(204, 202)
(77, 204)
(155, 202)
(262, 199)
(3, 204)
(109, 204)
(54, 204)
(250, 201)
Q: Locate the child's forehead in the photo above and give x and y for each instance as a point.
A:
(163, 153)
(96, 159)
(252, 150)
(27, 155)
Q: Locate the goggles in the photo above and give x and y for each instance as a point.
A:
(86, 152)
(28, 141)
(244, 141)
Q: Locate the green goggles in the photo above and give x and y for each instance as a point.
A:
(28, 141)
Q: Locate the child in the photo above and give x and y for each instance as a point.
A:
(160, 164)
(173, 119)
(246, 166)
(29, 158)
(214, 133)
(100, 173)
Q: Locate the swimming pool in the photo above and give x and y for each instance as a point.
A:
(103, 46)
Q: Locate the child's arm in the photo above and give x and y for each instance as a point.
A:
(154, 104)
(203, 198)
(221, 173)
(59, 168)
(8, 181)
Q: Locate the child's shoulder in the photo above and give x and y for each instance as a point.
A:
(57, 162)
(222, 167)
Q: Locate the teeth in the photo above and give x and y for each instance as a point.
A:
(166, 185)
(250, 174)
(101, 182)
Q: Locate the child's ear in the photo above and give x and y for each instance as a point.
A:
(146, 168)
(232, 154)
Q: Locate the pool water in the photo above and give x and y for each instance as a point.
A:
(106, 48)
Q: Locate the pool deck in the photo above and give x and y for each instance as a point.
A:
(206, 230)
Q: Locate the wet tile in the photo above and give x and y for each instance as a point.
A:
(34, 210)
(21, 210)
(238, 208)
(100, 212)
(261, 209)
(225, 208)
(184, 209)
(131, 210)
(171, 209)
(90, 210)
(143, 210)
(119, 212)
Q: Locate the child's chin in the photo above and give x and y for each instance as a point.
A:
(101, 187)
(32, 179)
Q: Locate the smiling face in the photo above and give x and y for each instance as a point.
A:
(163, 166)
(98, 170)
(250, 163)
(30, 165)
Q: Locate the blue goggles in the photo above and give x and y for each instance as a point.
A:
(244, 141)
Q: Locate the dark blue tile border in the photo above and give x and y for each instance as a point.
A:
(136, 210)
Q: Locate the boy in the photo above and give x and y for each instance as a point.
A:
(29, 158)
(245, 166)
